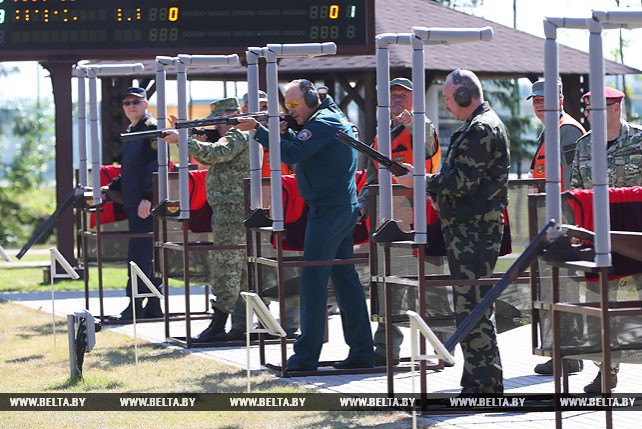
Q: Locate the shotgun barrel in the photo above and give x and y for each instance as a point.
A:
(219, 120)
(141, 135)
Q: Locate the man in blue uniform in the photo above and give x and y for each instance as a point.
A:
(325, 171)
(139, 162)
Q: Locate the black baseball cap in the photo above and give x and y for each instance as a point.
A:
(133, 90)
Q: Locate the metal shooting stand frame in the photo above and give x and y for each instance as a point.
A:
(92, 201)
(259, 222)
(599, 20)
(171, 211)
(390, 235)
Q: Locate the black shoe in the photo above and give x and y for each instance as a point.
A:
(380, 360)
(128, 313)
(481, 390)
(350, 364)
(469, 391)
(291, 334)
(238, 335)
(153, 309)
(292, 365)
(216, 331)
(546, 368)
(595, 386)
(209, 336)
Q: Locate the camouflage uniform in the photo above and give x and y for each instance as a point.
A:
(624, 159)
(471, 193)
(229, 162)
(624, 168)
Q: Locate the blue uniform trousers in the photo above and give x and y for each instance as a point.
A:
(328, 236)
(140, 250)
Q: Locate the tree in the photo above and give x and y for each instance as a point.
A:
(33, 129)
(460, 4)
(501, 93)
(30, 127)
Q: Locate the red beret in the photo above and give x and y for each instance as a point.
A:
(609, 94)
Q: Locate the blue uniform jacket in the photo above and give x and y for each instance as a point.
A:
(139, 163)
(325, 167)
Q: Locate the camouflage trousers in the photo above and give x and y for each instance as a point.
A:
(594, 326)
(472, 251)
(228, 270)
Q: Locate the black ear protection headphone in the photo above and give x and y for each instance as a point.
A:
(310, 94)
(462, 95)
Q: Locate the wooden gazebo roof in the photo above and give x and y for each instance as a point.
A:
(511, 53)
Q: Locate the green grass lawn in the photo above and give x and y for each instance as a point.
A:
(31, 364)
(16, 278)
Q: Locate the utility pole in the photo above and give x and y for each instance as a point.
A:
(515, 109)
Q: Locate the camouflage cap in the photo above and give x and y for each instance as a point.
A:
(262, 97)
(223, 105)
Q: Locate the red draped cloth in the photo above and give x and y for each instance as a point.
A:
(625, 211)
(111, 211)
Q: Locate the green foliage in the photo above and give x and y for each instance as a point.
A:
(460, 4)
(502, 93)
(29, 126)
(21, 212)
(33, 129)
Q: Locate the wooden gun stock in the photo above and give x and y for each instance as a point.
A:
(626, 243)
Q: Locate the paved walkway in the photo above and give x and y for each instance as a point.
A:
(515, 346)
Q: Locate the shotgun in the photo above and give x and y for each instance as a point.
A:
(394, 167)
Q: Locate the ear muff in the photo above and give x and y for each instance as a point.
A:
(310, 94)
(462, 94)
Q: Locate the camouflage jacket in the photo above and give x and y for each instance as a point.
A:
(229, 161)
(624, 159)
(473, 181)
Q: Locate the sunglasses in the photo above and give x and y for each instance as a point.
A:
(292, 104)
(588, 109)
(134, 102)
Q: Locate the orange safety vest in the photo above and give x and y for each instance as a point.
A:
(265, 167)
(401, 151)
(538, 165)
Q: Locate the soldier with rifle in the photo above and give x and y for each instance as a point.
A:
(229, 163)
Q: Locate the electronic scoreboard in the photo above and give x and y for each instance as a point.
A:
(42, 29)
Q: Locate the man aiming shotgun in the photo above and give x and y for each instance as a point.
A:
(205, 122)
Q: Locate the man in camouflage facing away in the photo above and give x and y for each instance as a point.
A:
(624, 168)
(470, 193)
(229, 163)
